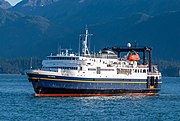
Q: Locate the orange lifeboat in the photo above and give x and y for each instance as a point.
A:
(134, 57)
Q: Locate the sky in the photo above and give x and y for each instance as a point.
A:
(13, 2)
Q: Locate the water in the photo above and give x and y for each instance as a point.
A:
(17, 102)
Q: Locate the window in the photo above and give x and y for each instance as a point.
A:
(91, 69)
(69, 68)
(144, 70)
(107, 69)
(98, 70)
(135, 70)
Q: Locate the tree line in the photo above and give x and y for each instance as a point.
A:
(169, 68)
(18, 65)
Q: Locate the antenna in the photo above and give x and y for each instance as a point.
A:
(31, 63)
(89, 42)
(67, 51)
(135, 43)
(94, 50)
(80, 38)
(59, 49)
(85, 49)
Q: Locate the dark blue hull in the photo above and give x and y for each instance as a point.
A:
(45, 85)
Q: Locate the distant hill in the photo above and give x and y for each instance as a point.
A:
(40, 26)
(24, 35)
(94, 11)
(28, 4)
(161, 32)
(36, 28)
(4, 4)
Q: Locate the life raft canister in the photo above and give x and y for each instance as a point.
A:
(134, 57)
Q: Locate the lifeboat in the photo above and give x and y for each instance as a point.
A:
(134, 57)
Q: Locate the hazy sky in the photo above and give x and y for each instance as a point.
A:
(13, 2)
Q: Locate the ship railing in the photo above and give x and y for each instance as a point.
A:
(127, 66)
(103, 56)
(155, 68)
(153, 73)
(132, 66)
(124, 66)
(142, 66)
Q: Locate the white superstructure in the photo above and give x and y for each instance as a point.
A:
(105, 64)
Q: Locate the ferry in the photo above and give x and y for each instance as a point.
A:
(113, 71)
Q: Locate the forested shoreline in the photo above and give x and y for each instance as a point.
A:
(18, 65)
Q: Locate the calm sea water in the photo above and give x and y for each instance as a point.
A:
(17, 102)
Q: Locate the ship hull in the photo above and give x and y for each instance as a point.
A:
(45, 85)
(43, 92)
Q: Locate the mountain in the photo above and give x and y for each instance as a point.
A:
(4, 4)
(161, 32)
(24, 35)
(38, 30)
(35, 3)
(96, 11)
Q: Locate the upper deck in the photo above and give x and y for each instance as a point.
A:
(105, 60)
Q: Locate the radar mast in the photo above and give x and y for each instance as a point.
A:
(85, 49)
